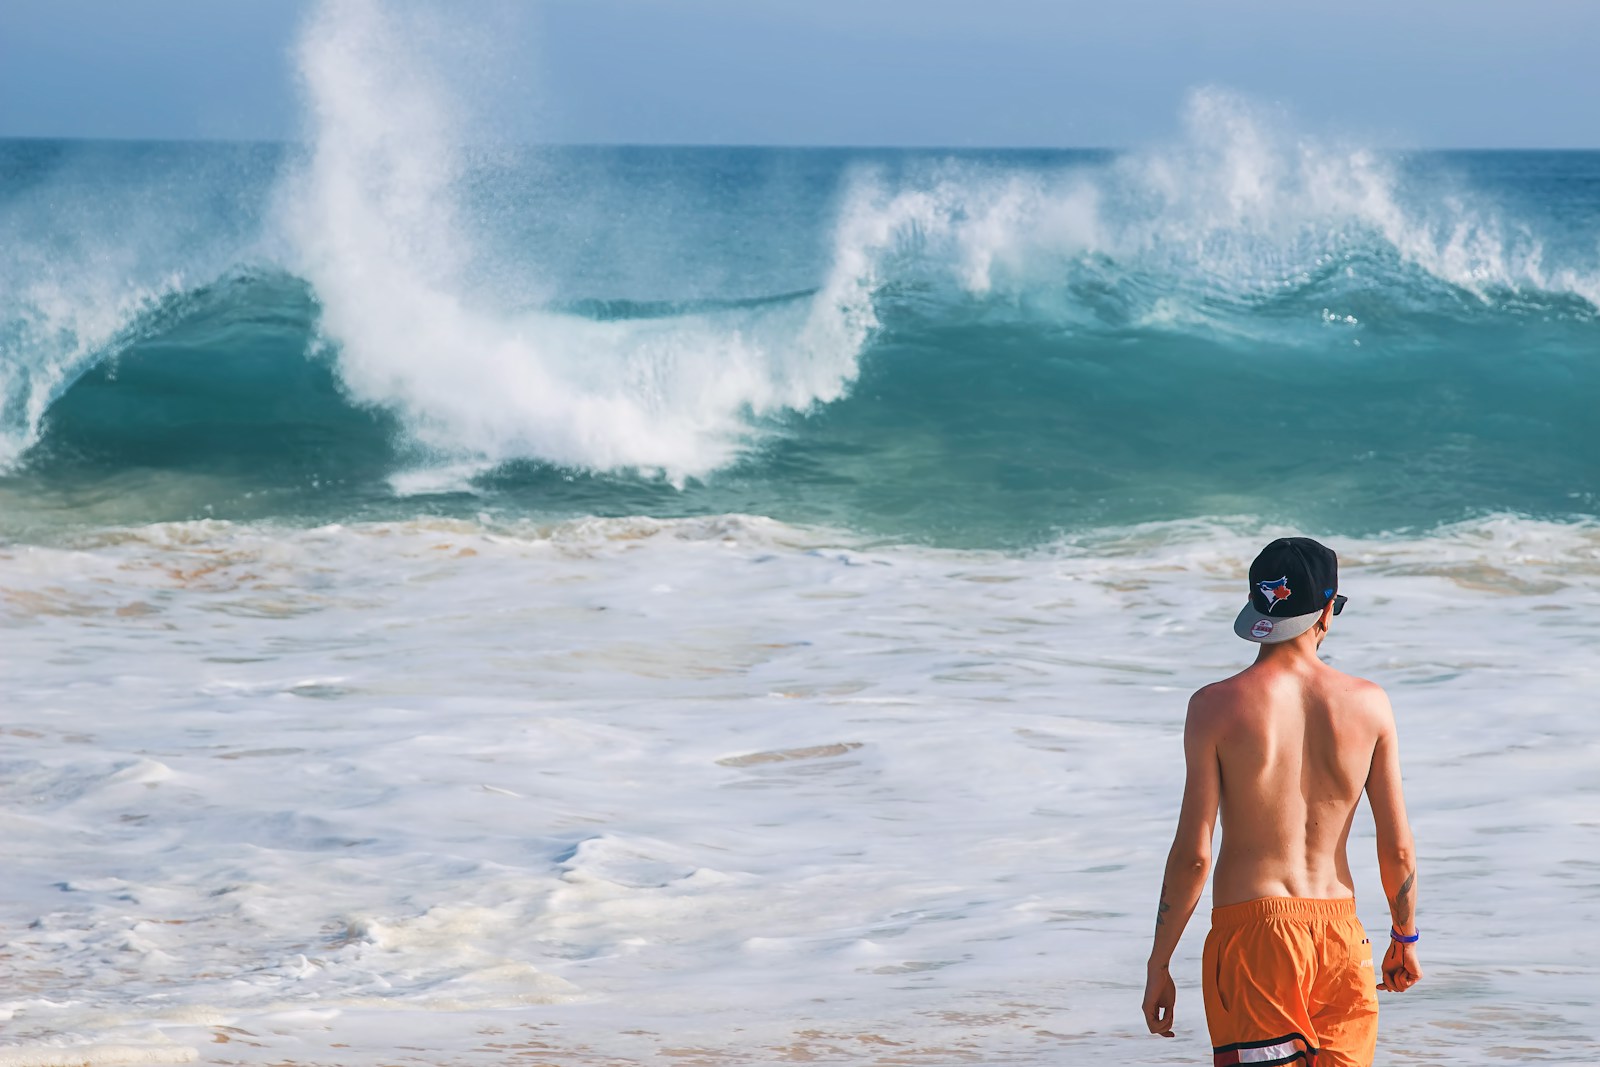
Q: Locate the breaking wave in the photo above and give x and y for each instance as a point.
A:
(1244, 319)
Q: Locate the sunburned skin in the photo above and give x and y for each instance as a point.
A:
(1283, 751)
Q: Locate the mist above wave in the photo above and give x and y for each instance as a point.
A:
(374, 221)
(1236, 226)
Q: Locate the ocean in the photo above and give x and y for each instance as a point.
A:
(479, 603)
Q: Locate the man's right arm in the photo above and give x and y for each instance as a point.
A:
(1397, 860)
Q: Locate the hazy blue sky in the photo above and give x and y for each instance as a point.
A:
(941, 72)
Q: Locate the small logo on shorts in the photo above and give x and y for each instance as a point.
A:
(1262, 628)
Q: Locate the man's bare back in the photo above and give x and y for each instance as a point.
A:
(1283, 751)
(1294, 742)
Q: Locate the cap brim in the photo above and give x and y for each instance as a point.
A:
(1261, 629)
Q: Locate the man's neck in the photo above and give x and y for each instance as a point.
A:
(1299, 654)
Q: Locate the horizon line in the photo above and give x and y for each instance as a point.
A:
(743, 145)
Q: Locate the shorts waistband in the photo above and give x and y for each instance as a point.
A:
(1295, 909)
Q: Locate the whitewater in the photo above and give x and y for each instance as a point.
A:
(475, 603)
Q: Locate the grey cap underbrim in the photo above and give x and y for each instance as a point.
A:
(1250, 624)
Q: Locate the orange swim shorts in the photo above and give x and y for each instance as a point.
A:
(1290, 981)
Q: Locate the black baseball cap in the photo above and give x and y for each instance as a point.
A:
(1291, 581)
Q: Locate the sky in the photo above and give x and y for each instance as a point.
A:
(1057, 73)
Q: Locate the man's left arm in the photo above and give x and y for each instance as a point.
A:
(1188, 862)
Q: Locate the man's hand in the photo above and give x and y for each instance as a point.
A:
(1159, 996)
(1401, 970)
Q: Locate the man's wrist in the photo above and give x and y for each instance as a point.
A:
(1153, 964)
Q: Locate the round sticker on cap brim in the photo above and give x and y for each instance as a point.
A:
(1262, 628)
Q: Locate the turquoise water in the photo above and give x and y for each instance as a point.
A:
(976, 349)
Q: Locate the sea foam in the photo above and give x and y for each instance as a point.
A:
(616, 788)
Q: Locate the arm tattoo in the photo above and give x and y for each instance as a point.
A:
(1163, 907)
(1402, 900)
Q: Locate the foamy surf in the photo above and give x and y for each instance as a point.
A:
(609, 789)
(95, 1056)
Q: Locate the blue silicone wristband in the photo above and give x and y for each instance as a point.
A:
(1396, 935)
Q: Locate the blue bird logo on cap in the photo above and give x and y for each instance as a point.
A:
(1274, 591)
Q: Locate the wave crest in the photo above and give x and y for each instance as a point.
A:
(1240, 215)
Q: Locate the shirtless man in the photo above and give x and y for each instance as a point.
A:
(1285, 748)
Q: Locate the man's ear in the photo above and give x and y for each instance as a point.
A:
(1327, 615)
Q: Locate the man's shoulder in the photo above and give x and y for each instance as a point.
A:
(1349, 688)
(1226, 691)
(1214, 692)
(1218, 699)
